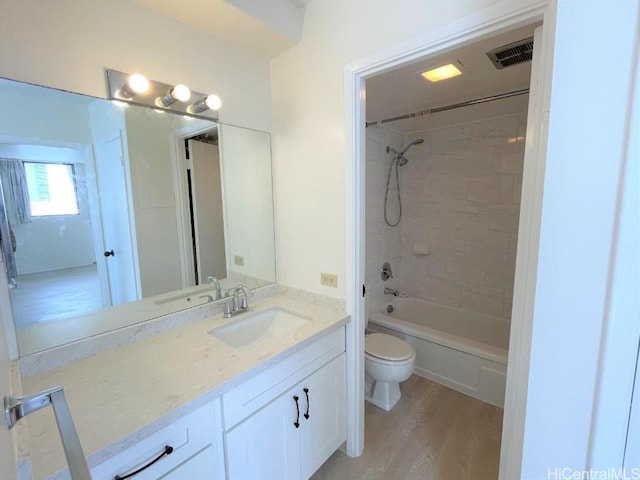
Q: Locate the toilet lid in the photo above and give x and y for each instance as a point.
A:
(387, 347)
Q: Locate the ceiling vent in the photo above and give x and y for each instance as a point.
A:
(512, 54)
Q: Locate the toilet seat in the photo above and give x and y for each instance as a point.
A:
(387, 348)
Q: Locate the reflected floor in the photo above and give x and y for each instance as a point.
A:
(55, 295)
(433, 433)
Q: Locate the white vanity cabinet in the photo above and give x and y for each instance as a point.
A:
(282, 423)
(288, 429)
(196, 451)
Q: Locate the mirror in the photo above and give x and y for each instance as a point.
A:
(121, 214)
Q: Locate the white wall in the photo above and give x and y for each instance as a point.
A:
(588, 122)
(52, 242)
(154, 203)
(248, 201)
(43, 120)
(67, 44)
(308, 123)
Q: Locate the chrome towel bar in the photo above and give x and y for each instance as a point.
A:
(16, 408)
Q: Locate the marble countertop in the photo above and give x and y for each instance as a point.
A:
(129, 392)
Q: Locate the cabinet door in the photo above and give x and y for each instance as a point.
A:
(326, 428)
(266, 445)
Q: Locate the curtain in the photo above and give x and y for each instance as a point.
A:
(14, 186)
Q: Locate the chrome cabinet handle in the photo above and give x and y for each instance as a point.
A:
(306, 392)
(297, 422)
(168, 450)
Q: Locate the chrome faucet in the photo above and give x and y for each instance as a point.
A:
(391, 291)
(213, 280)
(237, 305)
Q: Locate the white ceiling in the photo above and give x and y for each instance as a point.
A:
(266, 27)
(403, 91)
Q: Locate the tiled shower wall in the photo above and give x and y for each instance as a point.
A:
(461, 200)
(382, 243)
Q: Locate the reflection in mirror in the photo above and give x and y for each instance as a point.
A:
(122, 214)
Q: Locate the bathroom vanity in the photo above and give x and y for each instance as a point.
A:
(260, 395)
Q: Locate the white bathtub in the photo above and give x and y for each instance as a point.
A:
(463, 350)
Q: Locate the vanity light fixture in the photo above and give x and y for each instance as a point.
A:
(135, 84)
(138, 90)
(210, 102)
(179, 93)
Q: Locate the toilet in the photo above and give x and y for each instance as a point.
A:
(388, 361)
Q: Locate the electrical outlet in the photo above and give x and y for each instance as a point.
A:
(329, 279)
(238, 260)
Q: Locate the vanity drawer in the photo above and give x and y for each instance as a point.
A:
(256, 392)
(192, 438)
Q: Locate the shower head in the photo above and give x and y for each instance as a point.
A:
(402, 160)
(417, 141)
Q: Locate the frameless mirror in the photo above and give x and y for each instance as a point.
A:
(120, 214)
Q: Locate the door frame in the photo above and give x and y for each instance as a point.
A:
(504, 16)
(133, 241)
(180, 188)
(87, 154)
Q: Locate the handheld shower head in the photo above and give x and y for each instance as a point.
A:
(399, 160)
(417, 141)
(402, 160)
(399, 154)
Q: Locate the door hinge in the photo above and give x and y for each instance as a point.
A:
(364, 289)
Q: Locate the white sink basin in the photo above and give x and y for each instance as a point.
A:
(249, 328)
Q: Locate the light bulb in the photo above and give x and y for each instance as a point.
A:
(213, 102)
(137, 83)
(181, 92)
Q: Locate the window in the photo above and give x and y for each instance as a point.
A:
(52, 190)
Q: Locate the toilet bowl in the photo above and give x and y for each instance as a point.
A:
(388, 361)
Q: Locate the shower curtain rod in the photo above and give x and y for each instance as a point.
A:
(468, 103)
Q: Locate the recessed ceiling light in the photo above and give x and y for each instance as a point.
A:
(441, 73)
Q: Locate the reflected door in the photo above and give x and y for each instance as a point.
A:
(206, 216)
(116, 227)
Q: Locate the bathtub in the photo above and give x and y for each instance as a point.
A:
(463, 350)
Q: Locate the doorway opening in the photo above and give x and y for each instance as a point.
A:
(205, 207)
(50, 200)
(358, 74)
(443, 173)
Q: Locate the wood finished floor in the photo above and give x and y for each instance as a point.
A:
(49, 296)
(433, 433)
